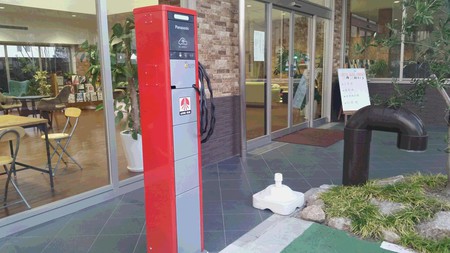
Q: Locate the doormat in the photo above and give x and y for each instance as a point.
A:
(323, 239)
(314, 137)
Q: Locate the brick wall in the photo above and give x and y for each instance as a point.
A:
(218, 49)
(337, 38)
(218, 44)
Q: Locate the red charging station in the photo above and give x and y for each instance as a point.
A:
(166, 44)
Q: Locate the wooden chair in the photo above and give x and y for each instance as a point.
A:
(11, 135)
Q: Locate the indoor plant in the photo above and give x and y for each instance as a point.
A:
(124, 75)
(124, 79)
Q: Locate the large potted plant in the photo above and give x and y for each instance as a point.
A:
(124, 82)
(124, 76)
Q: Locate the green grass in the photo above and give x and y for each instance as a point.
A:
(367, 222)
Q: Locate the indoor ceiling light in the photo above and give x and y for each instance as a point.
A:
(249, 5)
(73, 15)
(2, 8)
(396, 2)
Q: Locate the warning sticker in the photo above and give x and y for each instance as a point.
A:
(185, 105)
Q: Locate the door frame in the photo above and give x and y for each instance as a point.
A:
(311, 11)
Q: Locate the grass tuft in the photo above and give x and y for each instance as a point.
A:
(367, 222)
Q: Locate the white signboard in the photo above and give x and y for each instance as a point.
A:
(258, 46)
(354, 90)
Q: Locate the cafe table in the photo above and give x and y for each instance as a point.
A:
(25, 111)
(27, 122)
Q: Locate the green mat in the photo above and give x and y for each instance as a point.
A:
(323, 239)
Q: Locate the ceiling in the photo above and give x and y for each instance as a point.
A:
(79, 6)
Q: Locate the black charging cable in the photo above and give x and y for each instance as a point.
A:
(207, 120)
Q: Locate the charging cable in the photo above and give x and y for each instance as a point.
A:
(207, 120)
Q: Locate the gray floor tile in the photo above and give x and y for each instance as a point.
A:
(211, 190)
(114, 244)
(101, 211)
(231, 160)
(70, 244)
(212, 207)
(210, 173)
(123, 226)
(31, 244)
(134, 197)
(141, 246)
(213, 222)
(129, 210)
(233, 235)
(50, 228)
(82, 227)
(234, 184)
(241, 221)
(238, 194)
(239, 206)
(214, 241)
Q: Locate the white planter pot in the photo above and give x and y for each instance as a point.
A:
(133, 151)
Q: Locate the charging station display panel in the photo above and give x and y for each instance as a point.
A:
(181, 36)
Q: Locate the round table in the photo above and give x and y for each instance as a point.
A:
(25, 111)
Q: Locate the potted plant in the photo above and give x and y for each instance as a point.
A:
(124, 76)
(124, 80)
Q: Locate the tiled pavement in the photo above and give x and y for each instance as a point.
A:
(118, 225)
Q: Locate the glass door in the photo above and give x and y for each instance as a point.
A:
(290, 70)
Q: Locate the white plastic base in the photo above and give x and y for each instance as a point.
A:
(279, 198)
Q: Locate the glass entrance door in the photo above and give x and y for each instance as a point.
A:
(290, 74)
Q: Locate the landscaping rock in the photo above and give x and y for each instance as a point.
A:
(437, 228)
(340, 223)
(313, 213)
(317, 202)
(326, 186)
(387, 207)
(390, 236)
(390, 180)
(313, 194)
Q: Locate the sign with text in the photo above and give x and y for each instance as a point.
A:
(354, 90)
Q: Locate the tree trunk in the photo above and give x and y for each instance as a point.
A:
(134, 104)
(447, 101)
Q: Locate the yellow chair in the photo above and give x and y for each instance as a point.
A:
(62, 139)
(11, 135)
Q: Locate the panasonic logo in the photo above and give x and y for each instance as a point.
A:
(181, 27)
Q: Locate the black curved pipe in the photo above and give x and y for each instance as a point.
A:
(358, 133)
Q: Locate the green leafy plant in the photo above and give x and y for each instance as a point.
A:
(43, 87)
(124, 74)
(90, 52)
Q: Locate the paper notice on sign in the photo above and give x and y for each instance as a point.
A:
(258, 46)
(185, 105)
(354, 90)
